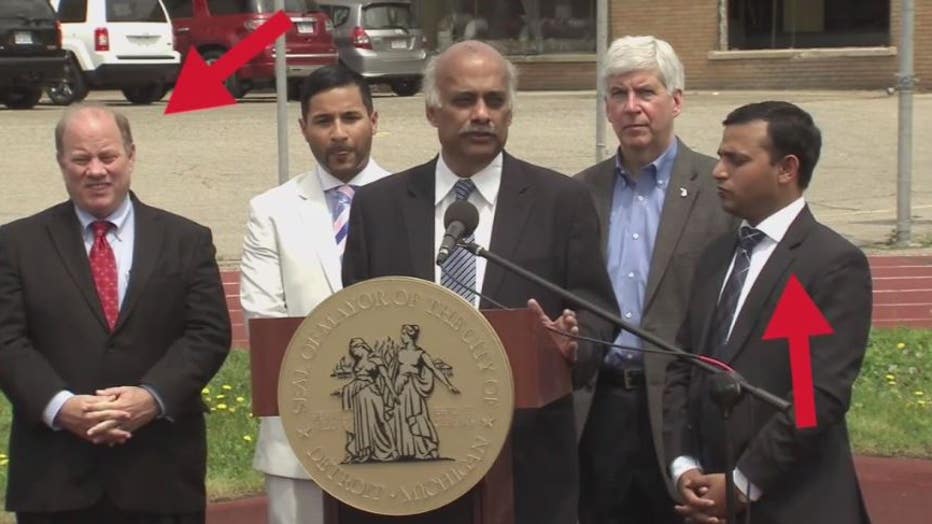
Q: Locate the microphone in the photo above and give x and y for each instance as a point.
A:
(460, 220)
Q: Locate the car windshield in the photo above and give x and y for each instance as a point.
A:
(291, 6)
(135, 11)
(31, 9)
(388, 16)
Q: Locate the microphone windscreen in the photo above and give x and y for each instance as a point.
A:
(464, 212)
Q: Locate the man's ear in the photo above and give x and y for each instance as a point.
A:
(431, 113)
(788, 169)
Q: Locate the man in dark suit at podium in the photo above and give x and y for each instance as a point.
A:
(786, 474)
(535, 217)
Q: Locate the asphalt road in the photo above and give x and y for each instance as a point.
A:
(206, 165)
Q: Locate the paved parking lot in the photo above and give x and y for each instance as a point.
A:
(207, 165)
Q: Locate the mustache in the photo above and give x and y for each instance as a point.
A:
(478, 128)
(332, 150)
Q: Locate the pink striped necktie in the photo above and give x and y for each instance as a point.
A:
(343, 198)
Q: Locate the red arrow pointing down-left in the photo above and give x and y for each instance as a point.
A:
(200, 86)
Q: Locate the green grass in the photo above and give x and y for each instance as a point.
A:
(891, 412)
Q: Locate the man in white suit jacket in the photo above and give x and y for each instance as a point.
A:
(293, 248)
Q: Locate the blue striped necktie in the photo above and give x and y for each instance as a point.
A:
(460, 266)
(748, 238)
(342, 199)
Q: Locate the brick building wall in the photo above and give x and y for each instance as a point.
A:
(692, 27)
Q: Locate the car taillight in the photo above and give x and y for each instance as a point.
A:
(361, 39)
(101, 39)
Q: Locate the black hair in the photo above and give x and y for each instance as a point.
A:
(331, 77)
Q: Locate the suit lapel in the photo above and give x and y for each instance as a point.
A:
(678, 204)
(65, 230)
(316, 224)
(512, 209)
(710, 289)
(603, 182)
(147, 248)
(419, 220)
(773, 272)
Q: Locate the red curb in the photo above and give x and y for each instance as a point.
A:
(251, 510)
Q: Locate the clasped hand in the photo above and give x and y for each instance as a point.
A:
(110, 416)
(704, 498)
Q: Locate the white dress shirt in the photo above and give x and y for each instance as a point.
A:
(487, 181)
(370, 173)
(774, 228)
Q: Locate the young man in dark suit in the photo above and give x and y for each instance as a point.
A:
(539, 219)
(658, 210)
(112, 320)
(783, 474)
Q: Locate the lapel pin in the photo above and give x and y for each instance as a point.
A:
(683, 192)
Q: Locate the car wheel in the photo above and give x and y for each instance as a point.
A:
(144, 94)
(406, 87)
(72, 87)
(236, 88)
(23, 97)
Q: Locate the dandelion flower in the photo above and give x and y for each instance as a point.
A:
(221, 407)
(889, 377)
(226, 387)
(232, 410)
(240, 399)
(247, 438)
(918, 393)
(4, 462)
(920, 402)
(220, 397)
(205, 391)
(901, 345)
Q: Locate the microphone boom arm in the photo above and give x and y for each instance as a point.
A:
(581, 303)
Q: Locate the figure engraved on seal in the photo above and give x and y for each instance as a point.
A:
(388, 395)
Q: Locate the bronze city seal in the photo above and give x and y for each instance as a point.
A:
(396, 395)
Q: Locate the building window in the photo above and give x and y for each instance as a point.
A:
(515, 27)
(782, 24)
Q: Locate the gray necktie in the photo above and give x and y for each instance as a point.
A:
(725, 312)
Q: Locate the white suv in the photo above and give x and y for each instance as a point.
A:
(116, 44)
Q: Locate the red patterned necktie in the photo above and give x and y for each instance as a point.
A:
(103, 267)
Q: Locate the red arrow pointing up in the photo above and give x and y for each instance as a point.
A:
(200, 86)
(797, 318)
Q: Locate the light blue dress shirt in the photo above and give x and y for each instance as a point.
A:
(637, 204)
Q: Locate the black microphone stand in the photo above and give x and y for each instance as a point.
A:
(728, 388)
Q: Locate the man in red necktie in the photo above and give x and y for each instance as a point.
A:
(112, 320)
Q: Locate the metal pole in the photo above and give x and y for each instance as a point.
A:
(601, 46)
(281, 101)
(907, 81)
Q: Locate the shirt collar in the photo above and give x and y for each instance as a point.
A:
(776, 225)
(118, 218)
(487, 180)
(370, 173)
(661, 168)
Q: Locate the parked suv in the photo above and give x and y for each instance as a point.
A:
(115, 44)
(30, 51)
(380, 40)
(214, 26)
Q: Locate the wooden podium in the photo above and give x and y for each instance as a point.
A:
(541, 375)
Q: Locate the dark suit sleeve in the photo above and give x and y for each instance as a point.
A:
(677, 438)
(588, 278)
(355, 254)
(192, 359)
(26, 376)
(843, 293)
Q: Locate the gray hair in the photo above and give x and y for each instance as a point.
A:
(429, 81)
(121, 121)
(644, 53)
